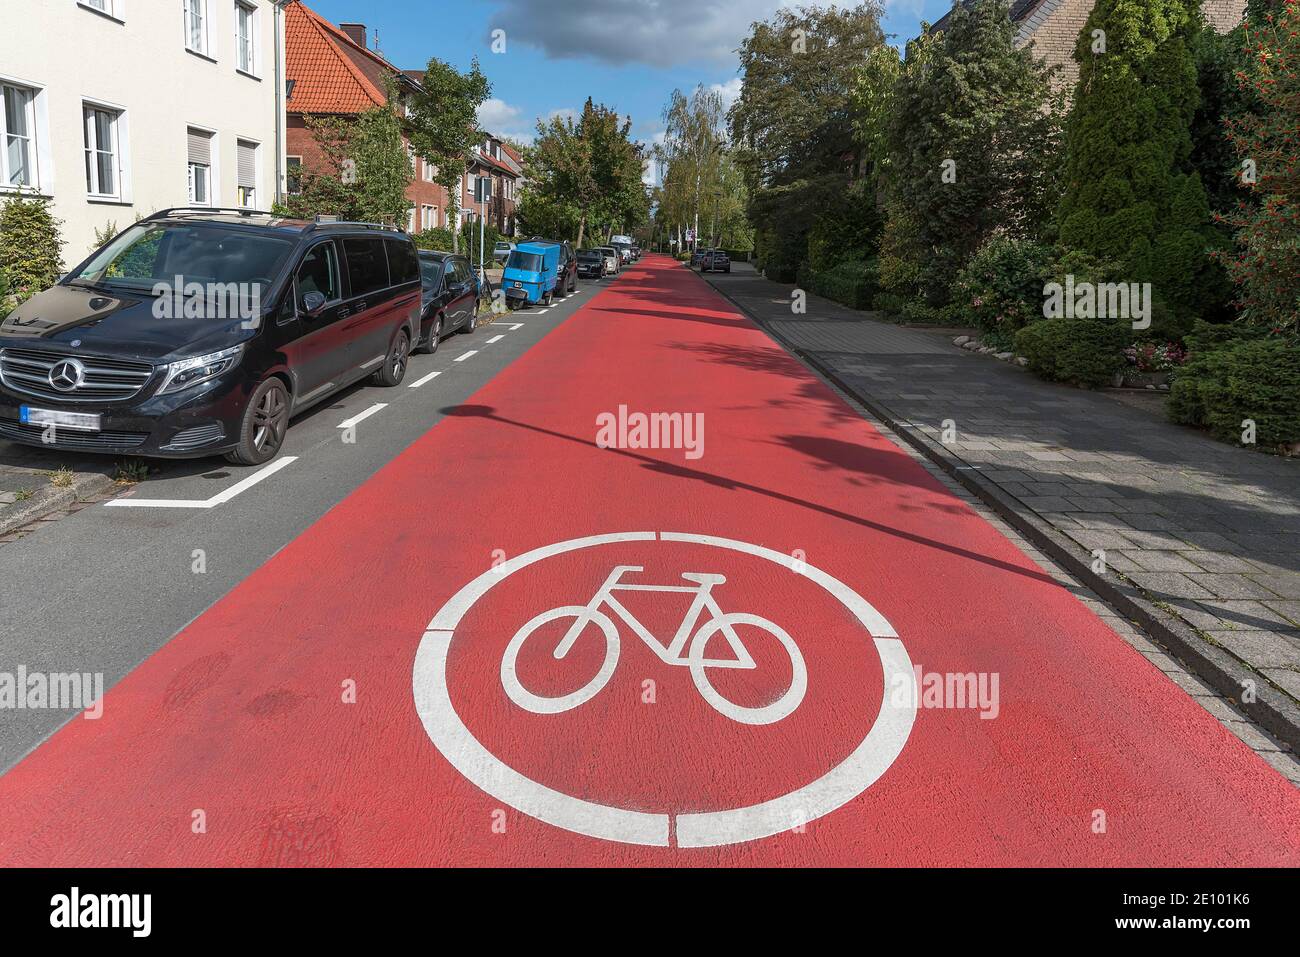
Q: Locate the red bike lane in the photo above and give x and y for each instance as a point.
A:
(780, 642)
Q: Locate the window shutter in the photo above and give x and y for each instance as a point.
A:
(247, 165)
(200, 148)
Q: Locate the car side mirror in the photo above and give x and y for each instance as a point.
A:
(313, 304)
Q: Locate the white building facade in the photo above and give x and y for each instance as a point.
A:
(115, 109)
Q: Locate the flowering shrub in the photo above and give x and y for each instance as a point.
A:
(1267, 259)
(1155, 356)
(1001, 289)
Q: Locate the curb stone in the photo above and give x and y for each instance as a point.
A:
(1272, 708)
(51, 499)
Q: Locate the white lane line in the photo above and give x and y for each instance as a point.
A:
(462, 358)
(377, 407)
(419, 382)
(542, 312)
(219, 499)
(496, 339)
(517, 325)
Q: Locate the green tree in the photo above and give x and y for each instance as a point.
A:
(793, 123)
(1131, 195)
(1266, 263)
(973, 127)
(442, 122)
(364, 173)
(586, 171)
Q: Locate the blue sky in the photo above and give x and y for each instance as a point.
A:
(628, 54)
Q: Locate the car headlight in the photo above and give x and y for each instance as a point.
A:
(188, 372)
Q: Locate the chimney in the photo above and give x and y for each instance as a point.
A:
(356, 33)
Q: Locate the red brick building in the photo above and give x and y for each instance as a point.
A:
(490, 160)
(332, 71)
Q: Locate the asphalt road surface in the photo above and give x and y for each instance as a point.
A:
(650, 594)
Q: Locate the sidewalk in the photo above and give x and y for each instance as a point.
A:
(1201, 540)
(43, 485)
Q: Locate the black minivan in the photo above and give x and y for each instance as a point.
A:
(197, 332)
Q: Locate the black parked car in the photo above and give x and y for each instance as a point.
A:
(270, 316)
(566, 274)
(591, 264)
(449, 299)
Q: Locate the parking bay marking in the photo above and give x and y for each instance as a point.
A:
(517, 325)
(462, 358)
(496, 338)
(219, 499)
(377, 407)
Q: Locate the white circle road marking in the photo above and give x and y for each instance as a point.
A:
(857, 772)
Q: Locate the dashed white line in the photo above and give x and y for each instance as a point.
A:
(377, 407)
(419, 382)
(496, 339)
(462, 358)
(517, 325)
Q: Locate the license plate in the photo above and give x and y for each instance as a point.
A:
(85, 421)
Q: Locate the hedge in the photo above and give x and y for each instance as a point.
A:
(852, 284)
(1243, 377)
(1082, 351)
(31, 247)
(1001, 289)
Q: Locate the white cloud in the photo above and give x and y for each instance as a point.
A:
(729, 91)
(494, 114)
(661, 33)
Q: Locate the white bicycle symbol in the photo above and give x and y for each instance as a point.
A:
(671, 653)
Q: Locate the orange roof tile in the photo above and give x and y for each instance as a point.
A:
(321, 60)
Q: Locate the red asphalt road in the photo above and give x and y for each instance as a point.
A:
(242, 714)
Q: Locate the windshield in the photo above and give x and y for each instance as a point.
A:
(430, 272)
(527, 262)
(589, 254)
(152, 253)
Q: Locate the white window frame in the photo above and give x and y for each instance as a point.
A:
(429, 171)
(411, 221)
(204, 7)
(113, 9)
(254, 39)
(36, 140)
(428, 216)
(120, 149)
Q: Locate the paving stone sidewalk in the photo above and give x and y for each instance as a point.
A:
(1209, 532)
(42, 484)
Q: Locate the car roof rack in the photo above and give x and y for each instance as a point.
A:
(324, 222)
(177, 210)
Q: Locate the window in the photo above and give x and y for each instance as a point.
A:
(430, 171)
(104, 6)
(246, 167)
(197, 252)
(18, 149)
(319, 272)
(402, 262)
(196, 26)
(245, 38)
(428, 217)
(200, 166)
(294, 175)
(103, 161)
(367, 264)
